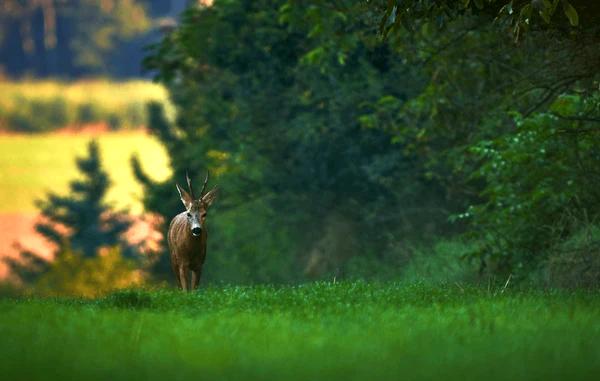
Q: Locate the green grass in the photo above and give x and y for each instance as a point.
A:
(30, 165)
(347, 331)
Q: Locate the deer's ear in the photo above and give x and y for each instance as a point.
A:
(211, 196)
(184, 196)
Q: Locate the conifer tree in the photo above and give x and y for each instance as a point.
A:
(90, 222)
(80, 221)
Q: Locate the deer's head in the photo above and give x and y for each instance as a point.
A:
(196, 208)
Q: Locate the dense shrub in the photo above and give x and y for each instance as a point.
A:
(542, 183)
(575, 263)
(74, 274)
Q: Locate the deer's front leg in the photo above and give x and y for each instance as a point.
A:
(183, 277)
(196, 278)
(175, 268)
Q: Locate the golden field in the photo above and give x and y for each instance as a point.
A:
(31, 165)
(46, 105)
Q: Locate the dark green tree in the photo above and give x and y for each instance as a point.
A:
(522, 15)
(61, 38)
(285, 137)
(80, 221)
(89, 222)
(307, 113)
(508, 114)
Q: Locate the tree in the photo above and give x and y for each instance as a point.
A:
(508, 115)
(74, 38)
(89, 222)
(80, 222)
(521, 15)
(305, 111)
(285, 137)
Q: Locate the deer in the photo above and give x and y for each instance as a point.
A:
(187, 235)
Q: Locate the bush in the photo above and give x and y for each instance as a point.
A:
(541, 181)
(10, 290)
(575, 263)
(445, 262)
(89, 113)
(73, 274)
(37, 115)
(246, 246)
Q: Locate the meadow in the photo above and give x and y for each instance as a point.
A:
(47, 105)
(31, 165)
(343, 331)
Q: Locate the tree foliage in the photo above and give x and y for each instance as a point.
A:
(507, 116)
(72, 274)
(520, 15)
(309, 117)
(82, 219)
(541, 182)
(75, 38)
(281, 132)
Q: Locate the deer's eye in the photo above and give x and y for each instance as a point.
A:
(189, 214)
(203, 215)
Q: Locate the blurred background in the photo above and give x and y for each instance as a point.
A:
(350, 139)
(70, 72)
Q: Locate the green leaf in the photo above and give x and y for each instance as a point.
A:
(314, 56)
(570, 12)
(525, 14)
(388, 20)
(508, 9)
(546, 11)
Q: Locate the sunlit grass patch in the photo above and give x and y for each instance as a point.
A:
(30, 165)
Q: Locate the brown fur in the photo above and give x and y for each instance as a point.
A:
(188, 252)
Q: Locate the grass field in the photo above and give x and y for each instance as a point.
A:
(30, 165)
(344, 331)
(45, 105)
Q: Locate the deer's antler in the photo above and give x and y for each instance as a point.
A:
(204, 186)
(189, 183)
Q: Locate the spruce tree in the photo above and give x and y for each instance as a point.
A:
(89, 221)
(80, 221)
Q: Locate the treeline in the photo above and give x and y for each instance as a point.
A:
(441, 141)
(337, 149)
(71, 39)
(48, 105)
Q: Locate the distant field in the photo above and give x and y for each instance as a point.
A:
(46, 105)
(346, 331)
(30, 165)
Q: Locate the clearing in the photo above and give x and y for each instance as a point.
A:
(343, 331)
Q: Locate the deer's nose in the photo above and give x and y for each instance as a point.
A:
(196, 231)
